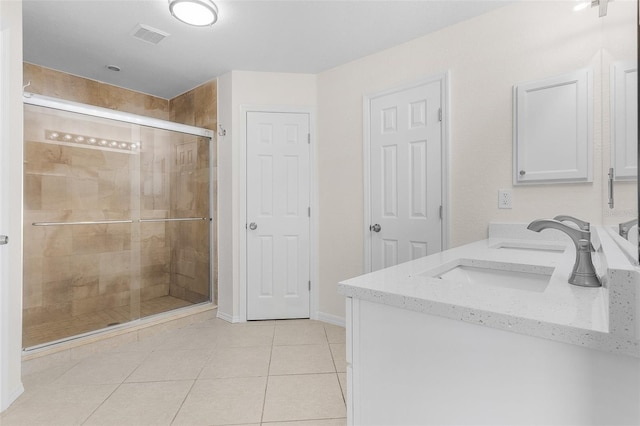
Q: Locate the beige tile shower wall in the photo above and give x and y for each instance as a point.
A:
(155, 193)
(72, 270)
(48, 82)
(190, 248)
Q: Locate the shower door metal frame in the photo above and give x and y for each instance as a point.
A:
(105, 113)
(94, 111)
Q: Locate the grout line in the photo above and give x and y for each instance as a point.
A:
(173, 419)
(266, 385)
(101, 404)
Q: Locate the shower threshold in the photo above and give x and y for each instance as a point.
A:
(69, 328)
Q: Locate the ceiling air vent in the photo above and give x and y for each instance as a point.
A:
(149, 34)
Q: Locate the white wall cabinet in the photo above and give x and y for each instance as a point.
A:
(624, 120)
(553, 129)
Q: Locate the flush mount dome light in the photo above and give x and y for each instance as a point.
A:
(200, 13)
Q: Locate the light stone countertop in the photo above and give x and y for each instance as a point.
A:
(600, 318)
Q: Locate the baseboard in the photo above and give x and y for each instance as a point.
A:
(227, 317)
(331, 319)
(12, 397)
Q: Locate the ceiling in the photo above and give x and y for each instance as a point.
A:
(81, 37)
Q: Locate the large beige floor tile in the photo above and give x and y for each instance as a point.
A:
(190, 338)
(223, 402)
(339, 353)
(245, 336)
(142, 404)
(301, 359)
(303, 397)
(103, 369)
(170, 365)
(300, 334)
(33, 381)
(144, 344)
(237, 362)
(325, 422)
(335, 334)
(57, 405)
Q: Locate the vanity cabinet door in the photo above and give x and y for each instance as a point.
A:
(553, 136)
(624, 120)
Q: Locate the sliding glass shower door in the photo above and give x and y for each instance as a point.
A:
(116, 223)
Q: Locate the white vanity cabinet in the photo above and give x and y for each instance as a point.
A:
(425, 350)
(412, 368)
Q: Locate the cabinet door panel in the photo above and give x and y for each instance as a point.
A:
(553, 137)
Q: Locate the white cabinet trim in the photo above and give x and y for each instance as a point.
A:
(620, 94)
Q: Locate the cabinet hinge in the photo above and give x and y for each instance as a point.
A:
(309, 285)
(440, 212)
(309, 211)
(308, 137)
(439, 114)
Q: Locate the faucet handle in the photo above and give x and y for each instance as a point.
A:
(583, 225)
(625, 227)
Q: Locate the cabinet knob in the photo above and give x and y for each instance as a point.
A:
(522, 173)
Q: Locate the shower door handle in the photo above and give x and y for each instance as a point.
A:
(4, 240)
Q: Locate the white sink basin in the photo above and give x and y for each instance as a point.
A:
(495, 274)
(530, 246)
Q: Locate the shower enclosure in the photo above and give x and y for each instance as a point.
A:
(116, 219)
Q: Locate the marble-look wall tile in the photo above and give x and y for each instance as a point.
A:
(54, 194)
(49, 82)
(114, 283)
(182, 108)
(98, 303)
(32, 283)
(32, 192)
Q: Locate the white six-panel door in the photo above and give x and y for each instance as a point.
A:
(406, 175)
(278, 223)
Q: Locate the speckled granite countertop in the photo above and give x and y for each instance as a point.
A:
(600, 318)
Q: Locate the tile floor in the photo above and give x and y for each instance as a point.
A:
(270, 373)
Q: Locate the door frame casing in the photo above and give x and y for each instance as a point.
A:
(313, 200)
(443, 78)
(11, 201)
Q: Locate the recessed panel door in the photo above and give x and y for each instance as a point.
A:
(405, 164)
(277, 215)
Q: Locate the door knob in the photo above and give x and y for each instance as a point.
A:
(253, 226)
(375, 228)
(4, 240)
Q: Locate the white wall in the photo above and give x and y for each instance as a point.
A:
(235, 90)
(485, 57)
(10, 201)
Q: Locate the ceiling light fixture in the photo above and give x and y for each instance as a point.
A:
(200, 13)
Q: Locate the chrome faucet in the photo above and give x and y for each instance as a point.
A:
(584, 273)
(625, 227)
(585, 226)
